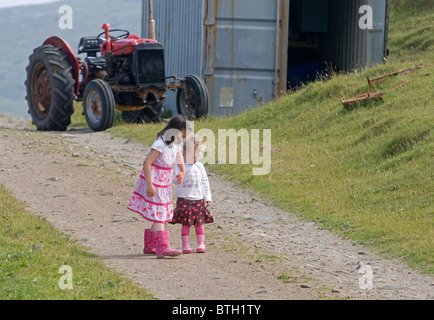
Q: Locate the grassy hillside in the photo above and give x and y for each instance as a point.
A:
(366, 173)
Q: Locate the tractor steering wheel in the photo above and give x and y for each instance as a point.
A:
(123, 35)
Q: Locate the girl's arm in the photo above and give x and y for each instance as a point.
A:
(181, 166)
(147, 171)
(205, 184)
(175, 173)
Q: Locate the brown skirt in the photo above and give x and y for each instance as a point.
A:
(191, 212)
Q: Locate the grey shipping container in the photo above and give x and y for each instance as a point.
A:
(251, 51)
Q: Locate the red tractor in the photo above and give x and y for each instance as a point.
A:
(127, 75)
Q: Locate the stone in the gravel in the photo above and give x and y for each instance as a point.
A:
(263, 291)
(261, 219)
(392, 288)
(304, 285)
(67, 135)
(236, 261)
(120, 218)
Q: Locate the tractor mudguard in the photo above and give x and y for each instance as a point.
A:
(72, 59)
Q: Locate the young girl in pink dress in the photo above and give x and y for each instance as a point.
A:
(152, 196)
(194, 196)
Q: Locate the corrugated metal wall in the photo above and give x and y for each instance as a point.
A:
(179, 26)
(346, 46)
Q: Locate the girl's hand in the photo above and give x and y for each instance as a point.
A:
(150, 191)
(180, 177)
(207, 203)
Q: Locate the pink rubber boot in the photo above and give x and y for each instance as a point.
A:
(162, 239)
(186, 249)
(200, 233)
(149, 243)
(185, 236)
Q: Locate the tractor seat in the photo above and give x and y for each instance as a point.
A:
(90, 45)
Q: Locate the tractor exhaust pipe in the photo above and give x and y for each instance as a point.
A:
(151, 23)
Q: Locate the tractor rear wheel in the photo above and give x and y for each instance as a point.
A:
(50, 89)
(192, 99)
(99, 105)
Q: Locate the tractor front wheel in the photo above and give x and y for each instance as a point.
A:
(98, 105)
(50, 89)
(192, 99)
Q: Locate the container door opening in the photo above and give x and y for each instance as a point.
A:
(308, 25)
(326, 35)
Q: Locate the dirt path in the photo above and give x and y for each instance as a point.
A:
(81, 182)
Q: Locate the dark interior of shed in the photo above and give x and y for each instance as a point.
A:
(308, 25)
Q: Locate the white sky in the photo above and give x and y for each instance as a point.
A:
(13, 3)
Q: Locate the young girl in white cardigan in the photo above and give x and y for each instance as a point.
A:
(194, 196)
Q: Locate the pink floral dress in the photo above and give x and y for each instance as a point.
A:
(158, 208)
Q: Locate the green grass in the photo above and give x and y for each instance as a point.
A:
(364, 172)
(31, 253)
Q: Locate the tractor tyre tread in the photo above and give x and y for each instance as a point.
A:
(62, 88)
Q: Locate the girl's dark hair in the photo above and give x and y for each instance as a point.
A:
(175, 124)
